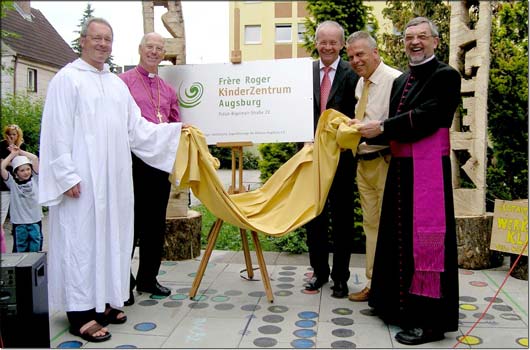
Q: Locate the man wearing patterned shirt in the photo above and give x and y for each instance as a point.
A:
(158, 102)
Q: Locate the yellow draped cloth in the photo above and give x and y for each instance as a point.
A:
(292, 196)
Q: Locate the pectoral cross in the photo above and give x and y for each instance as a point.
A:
(159, 116)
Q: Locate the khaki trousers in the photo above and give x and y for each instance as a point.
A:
(371, 177)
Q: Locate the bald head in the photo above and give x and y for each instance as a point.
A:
(152, 51)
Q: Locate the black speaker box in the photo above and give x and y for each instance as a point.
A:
(24, 315)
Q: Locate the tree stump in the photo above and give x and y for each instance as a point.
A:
(520, 271)
(183, 237)
(473, 234)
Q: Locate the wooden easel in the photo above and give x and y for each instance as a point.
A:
(237, 148)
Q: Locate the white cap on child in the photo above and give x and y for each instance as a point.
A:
(19, 160)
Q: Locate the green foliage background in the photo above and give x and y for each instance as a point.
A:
(26, 112)
(507, 176)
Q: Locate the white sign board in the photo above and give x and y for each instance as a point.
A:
(257, 101)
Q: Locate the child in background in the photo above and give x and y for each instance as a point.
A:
(25, 211)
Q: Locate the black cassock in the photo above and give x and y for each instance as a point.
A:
(420, 105)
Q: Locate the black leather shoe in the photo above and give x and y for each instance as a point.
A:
(156, 289)
(315, 283)
(417, 336)
(340, 290)
(129, 301)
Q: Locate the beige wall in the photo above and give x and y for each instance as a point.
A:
(20, 77)
(267, 14)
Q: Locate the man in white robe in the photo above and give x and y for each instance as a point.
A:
(90, 125)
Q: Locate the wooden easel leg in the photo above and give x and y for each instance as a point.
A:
(262, 267)
(212, 238)
(246, 253)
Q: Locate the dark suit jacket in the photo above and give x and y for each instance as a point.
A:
(342, 94)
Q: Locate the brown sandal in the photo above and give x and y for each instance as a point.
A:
(111, 316)
(91, 328)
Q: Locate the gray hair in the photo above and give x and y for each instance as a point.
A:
(146, 35)
(360, 35)
(420, 20)
(331, 24)
(86, 24)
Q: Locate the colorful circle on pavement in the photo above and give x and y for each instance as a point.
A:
(283, 293)
(169, 263)
(302, 343)
(510, 317)
(469, 340)
(289, 268)
(522, 341)
(342, 321)
(273, 318)
(304, 333)
(305, 323)
(305, 291)
(309, 274)
(286, 273)
(342, 332)
(269, 329)
(193, 274)
(71, 344)
(157, 297)
(145, 326)
(306, 315)
(497, 300)
(278, 309)
(466, 272)
(256, 294)
(161, 272)
(126, 346)
(233, 293)
(478, 284)
(265, 342)
(342, 311)
(183, 290)
(467, 299)
(224, 306)
(250, 307)
(220, 298)
(343, 344)
(199, 298)
(172, 304)
(468, 307)
(148, 302)
(178, 296)
(196, 305)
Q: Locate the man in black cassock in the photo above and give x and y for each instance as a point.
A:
(415, 277)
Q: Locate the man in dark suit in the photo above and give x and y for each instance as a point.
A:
(334, 83)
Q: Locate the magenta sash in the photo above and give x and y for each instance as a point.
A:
(428, 209)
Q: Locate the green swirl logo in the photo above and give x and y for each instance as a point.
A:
(192, 95)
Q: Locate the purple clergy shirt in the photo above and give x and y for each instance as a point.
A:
(146, 95)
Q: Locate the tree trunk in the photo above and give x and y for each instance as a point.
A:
(473, 242)
(183, 237)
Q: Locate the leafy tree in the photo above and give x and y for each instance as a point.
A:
(75, 44)
(352, 15)
(400, 12)
(26, 112)
(4, 7)
(507, 175)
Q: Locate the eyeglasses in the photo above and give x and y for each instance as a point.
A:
(158, 49)
(99, 39)
(326, 43)
(420, 37)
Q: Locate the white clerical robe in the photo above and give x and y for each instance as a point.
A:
(90, 125)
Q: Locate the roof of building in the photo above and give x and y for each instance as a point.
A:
(36, 39)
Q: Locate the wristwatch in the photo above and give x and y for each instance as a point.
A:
(382, 126)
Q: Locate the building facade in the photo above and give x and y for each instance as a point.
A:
(32, 52)
(265, 30)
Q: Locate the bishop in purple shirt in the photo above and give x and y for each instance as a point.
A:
(158, 102)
